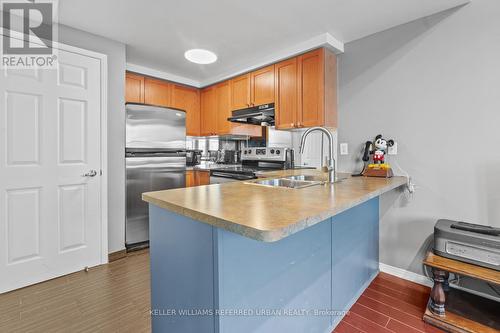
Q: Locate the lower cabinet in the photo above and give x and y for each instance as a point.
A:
(197, 178)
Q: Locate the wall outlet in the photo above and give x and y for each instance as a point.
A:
(393, 150)
(344, 149)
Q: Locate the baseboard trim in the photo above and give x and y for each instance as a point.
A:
(405, 274)
(114, 256)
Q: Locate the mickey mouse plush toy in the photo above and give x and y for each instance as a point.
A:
(378, 149)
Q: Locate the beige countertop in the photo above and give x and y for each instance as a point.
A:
(269, 213)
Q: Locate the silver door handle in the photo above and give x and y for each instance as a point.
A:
(91, 173)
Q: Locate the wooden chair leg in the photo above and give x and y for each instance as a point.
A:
(438, 297)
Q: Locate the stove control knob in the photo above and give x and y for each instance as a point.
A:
(278, 152)
(272, 151)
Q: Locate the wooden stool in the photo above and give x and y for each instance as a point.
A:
(451, 309)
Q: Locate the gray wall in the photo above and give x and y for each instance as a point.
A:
(434, 86)
(116, 126)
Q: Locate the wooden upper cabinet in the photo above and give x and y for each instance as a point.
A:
(330, 90)
(223, 107)
(134, 88)
(311, 92)
(208, 124)
(240, 92)
(303, 88)
(311, 99)
(157, 92)
(286, 93)
(262, 86)
(216, 108)
(252, 89)
(188, 99)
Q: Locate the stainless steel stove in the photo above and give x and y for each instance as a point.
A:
(254, 160)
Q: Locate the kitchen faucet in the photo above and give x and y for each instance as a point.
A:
(331, 160)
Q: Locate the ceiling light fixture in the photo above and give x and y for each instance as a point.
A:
(200, 56)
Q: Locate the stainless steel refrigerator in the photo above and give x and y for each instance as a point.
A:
(155, 158)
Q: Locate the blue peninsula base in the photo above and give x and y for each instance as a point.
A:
(206, 279)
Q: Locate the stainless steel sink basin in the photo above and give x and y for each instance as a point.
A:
(304, 178)
(287, 182)
(340, 177)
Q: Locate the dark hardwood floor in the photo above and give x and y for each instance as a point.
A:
(389, 305)
(109, 298)
(115, 298)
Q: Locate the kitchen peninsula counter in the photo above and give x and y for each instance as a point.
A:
(270, 213)
(238, 257)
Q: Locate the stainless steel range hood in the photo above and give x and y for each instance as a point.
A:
(262, 115)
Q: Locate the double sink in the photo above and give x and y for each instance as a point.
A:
(294, 182)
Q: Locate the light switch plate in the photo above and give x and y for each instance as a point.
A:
(393, 150)
(344, 149)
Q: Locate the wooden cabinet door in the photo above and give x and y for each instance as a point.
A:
(240, 92)
(311, 89)
(190, 178)
(223, 107)
(188, 99)
(157, 92)
(208, 124)
(197, 178)
(134, 88)
(202, 177)
(262, 86)
(286, 93)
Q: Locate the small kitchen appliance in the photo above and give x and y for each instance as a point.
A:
(193, 157)
(472, 243)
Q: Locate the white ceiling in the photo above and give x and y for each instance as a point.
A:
(243, 33)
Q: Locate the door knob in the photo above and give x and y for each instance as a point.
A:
(90, 173)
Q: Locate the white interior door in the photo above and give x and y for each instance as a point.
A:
(50, 214)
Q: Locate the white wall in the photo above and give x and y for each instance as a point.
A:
(434, 86)
(116, 126)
